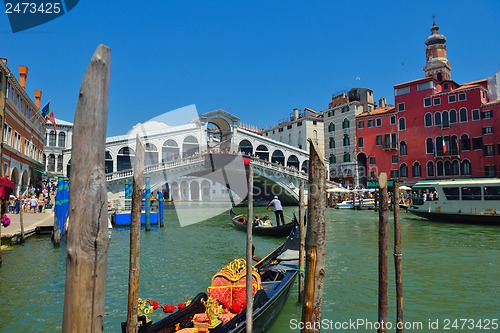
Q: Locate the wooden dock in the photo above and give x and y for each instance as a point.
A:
(34, 223)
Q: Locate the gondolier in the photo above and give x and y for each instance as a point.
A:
(278, 210)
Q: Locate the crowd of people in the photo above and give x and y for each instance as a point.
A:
(34, 200)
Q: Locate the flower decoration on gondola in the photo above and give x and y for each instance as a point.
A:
(5, 220)
(146, 307)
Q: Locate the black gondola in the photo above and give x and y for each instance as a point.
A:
(279, 231)
(277, 273)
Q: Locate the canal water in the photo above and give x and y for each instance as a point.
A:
(451, 274)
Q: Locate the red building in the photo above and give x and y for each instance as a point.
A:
(437, 129)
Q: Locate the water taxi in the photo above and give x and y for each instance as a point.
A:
(472, 200)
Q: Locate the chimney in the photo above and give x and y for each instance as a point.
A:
(382, 103)
(295, 114)
(38, 97)
(23, 75)
(4, 60)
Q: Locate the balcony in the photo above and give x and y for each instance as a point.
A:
(448, 154)
(390, 146)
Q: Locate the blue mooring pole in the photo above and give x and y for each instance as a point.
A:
(148, 202)
(161, 216)
(65, 203)
(58, 213)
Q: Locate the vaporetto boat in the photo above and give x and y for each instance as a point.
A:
(471, 200)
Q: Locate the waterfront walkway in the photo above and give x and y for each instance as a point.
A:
(31, 221)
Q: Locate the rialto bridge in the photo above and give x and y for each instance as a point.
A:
(202, 160)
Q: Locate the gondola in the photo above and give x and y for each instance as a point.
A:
(272, 280)
(279, 231)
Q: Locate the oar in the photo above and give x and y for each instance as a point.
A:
(288, 217)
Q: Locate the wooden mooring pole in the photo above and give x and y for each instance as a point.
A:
(383, 281)
(21, 223)
(302, 248)
(249, 290)
(315, 242)
(135, 236)
(87, 238)
(398, 261)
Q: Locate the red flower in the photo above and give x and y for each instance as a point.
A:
(180, 306)
(154, 304)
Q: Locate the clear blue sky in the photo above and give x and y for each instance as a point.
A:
(257, 59)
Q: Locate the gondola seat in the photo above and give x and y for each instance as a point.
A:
(229, 285)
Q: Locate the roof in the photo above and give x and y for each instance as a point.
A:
(424, 79)
(378, 111)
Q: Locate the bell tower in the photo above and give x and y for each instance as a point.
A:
(437, 65)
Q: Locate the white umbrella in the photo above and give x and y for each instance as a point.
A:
(405, 188)
(338, 189)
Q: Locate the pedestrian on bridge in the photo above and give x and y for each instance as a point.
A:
(278, 210)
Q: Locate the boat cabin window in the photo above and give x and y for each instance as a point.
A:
(422, 194)
(492, 193)
(471, 193)
(451, 193)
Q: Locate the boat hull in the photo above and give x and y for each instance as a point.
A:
(458, 218)
(279, 231)
(278, 271)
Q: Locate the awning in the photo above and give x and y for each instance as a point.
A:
(390, 183)
(6, 187)
(40, 171)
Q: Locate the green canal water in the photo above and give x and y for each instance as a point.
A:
(451, 274)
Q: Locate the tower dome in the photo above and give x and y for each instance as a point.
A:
(437, 64)
(435, 37)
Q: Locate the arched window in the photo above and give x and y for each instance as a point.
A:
(403, 170)
(430, 169)
(345, 123)
(453, 116)
(52, 139)
(346, 141)
(245, 147)
(403, 149)
(464, 142)
(447, 168)
(262, 152)
(124, 159)
(454, 145)
(293, 161)
(62, 140)
(150, 154)
(446, 119)
(332, 159)
(428, 120)
(455, 168)
(190, 146)
(416, 170)
(331, 143)
(52, 163)
(402, 124)
(440, 168)
(108, 162)
(170, 151)
(437, 118)
(463, 115)
(429, 144)
(278, 157)
(466, 168)
(59, 163)
(347, 157)
(331, 127)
